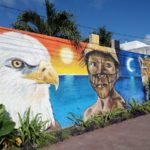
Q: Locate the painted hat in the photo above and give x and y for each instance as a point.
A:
(93, 45)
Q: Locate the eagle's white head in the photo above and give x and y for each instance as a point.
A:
(25, 76)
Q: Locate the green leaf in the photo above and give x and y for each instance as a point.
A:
(6, 124)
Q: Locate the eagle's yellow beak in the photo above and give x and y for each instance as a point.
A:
(44, 74)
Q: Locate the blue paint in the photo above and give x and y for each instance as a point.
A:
(75, 94)
(129, 88)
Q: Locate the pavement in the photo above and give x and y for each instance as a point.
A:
(133, 134)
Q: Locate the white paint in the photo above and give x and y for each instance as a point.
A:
(16, 92)
(66, 55)
(129, 64)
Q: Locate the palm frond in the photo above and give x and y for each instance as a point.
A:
(59, 24)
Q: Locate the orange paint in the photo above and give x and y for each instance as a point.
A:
(54, 46)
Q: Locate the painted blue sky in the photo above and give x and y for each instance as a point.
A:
(129, 17)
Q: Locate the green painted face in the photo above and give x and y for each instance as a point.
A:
(102, 73)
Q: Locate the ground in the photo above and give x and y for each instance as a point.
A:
(133, 134)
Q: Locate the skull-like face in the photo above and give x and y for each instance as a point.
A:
(103, 71)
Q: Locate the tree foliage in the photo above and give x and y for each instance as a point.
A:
(59, 24)
(105, 36)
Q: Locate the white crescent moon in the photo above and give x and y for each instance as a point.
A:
(129, 64)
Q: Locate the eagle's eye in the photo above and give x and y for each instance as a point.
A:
(17, 64)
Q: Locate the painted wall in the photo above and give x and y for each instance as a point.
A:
(48, 75)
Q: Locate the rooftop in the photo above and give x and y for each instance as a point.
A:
(133, 45)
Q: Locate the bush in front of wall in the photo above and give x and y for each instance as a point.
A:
(146, 106)
(8, 134)
(138, 109)
(79, 124)
(61, 134)
(115, 116)
(32, 131)
(97, 121)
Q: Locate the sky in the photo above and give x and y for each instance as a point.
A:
(127, 19)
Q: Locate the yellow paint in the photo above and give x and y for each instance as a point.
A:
(66, 61)
(94, 45)
(66, 55)
(44, 74)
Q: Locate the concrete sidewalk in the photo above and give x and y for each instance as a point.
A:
(133, 134)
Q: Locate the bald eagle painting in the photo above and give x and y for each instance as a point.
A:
(25, 76)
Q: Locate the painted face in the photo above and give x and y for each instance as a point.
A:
(102, 73)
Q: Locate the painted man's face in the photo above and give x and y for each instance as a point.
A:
(102, 73)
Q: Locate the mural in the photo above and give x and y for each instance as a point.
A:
(145, 69)
(103, 69)
(26, 73)
(45, 73)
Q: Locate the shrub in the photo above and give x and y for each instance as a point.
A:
(79, 124)
(97, 121)
(6, 124)
(8, 133)
(94, 122)
(62, 134)
(76, 120)
(116, 116)
(146, 106)
(77, 130)
(136, 109)
(32, 131)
